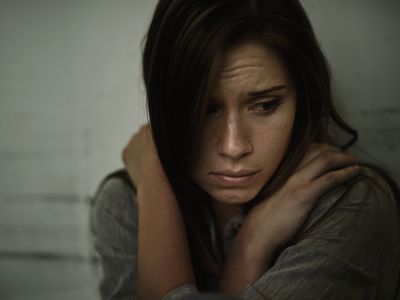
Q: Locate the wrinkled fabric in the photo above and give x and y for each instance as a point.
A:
(348, 248)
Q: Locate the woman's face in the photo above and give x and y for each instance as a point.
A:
(248, 124)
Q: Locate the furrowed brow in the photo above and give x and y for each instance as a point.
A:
(265, 92)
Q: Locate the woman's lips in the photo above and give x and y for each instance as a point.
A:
(233, 181)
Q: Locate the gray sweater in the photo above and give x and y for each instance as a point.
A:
(348, 248)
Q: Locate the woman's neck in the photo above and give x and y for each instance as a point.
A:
(223, 213)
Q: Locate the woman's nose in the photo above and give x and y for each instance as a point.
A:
(233, 141)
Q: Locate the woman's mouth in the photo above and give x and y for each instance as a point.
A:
(228, 178)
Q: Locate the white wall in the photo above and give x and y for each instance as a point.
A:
(70, 97)
(361, 39)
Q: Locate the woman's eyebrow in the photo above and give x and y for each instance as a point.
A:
(265, 92)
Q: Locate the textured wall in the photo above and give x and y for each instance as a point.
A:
(70, 97)
(361, 39)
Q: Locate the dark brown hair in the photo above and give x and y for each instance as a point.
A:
(182, 51)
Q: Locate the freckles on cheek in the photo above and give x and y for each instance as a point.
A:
(262, 136)
(283, 125)
(274, 135)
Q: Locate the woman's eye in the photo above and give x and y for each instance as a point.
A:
(267, 107)
(212, 109)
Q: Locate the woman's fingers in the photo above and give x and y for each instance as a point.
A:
(326, 161)
(314, 150)
(332, 179)
(280, 217)
(322, 168)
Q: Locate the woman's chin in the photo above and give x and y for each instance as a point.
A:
(233, 196)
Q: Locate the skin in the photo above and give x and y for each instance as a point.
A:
(236, 135)
(162, 265)
(242, 131)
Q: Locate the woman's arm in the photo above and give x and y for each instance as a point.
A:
(163, 255)
(349, 248)
(115, 232)
(271, 224)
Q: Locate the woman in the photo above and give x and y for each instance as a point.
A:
(238, 187)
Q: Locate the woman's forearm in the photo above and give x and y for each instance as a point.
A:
(163, 254)
(244, 265)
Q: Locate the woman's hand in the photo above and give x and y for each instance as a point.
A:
(140, 157)
(277, 219)
(272, 223)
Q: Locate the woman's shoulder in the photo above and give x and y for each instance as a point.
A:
(115, 185)
(353, 233)
(351, 239)
(373, 188)
(114, 228)
(115, 199)
(371, 194)
(375, 179)
(116, 181)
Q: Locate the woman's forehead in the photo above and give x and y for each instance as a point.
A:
(250, 66)
(250, 52)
